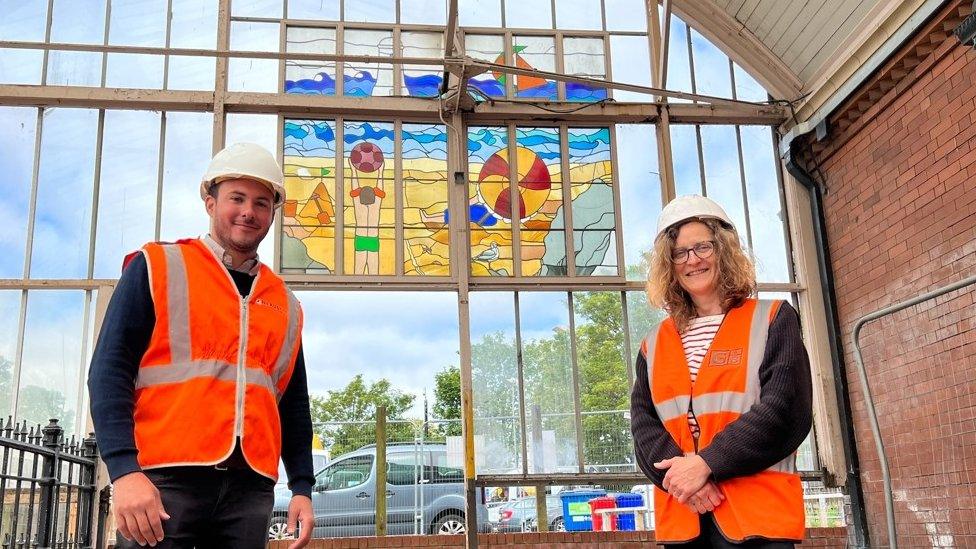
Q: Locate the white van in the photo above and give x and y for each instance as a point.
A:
(320, 458)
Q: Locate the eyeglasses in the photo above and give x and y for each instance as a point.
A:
(702, 250)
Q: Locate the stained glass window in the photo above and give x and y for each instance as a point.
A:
(426, 238)
(422, 80)
(534, 52)
(592, 191)
(309, 214)
(367, 79)
(310, 77)
(487, 47)
(584, 57)
(490, 202)
(538, 202)
(369, 199)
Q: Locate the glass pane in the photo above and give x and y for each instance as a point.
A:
(309, 219)
(746, 87)
(578, 15)
(263, 130)
(534, 52)
(584, 57)
(487, 48)
(367, 79)
(74, 68)
(547, 366)
(495, 382)
(312, 77)
(489, 202)
(138, 23)
(480, 13)
(626, 15)
(765, 205)
(370, 210)
(679, 64)
(423, 12)
(256, 8)
(370, 11)
(641, 317)
(64, 194)
(191, 73)
(630, 64)
(127, 188)
(9, 323)
(684, 153)
(322, 10)
(20, 66)
(186, 154)
(528, 15)
(425, 200)
(640, 194)
(194, 24)
(78, 21)
(592, 190)
(52, 357)
(712, 75)
(422, 81)
(134, 71)
(539, 197)
(723, 182)
(23, 21)
(253, 75)
(604, 385)
(17, 126)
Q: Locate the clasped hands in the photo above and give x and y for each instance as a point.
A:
(687, 480)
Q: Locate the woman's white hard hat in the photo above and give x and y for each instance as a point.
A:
(687, 207)
(245, 161)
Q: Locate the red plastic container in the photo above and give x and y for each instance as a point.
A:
(604, 502)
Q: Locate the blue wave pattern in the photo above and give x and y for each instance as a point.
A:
(484, 142)
(587, 145)
(545, 92)
(359, 85)
(318, 138)
(544, 142)
(309, 138)
(423, 141)
(425, 85)
(488, 87)
(584, 92)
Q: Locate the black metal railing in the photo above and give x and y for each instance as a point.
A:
(48, 490)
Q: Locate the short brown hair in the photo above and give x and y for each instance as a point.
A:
(736, 273)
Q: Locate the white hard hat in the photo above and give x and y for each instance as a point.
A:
(245, 161)
(690, 206)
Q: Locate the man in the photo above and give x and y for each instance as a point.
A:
(198, 381)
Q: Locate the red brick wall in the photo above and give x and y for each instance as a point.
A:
(901, 220)
(820, 537)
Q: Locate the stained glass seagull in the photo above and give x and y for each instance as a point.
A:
(489, 255)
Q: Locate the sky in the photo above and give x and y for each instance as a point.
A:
(404, 337)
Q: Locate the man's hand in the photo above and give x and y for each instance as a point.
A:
(138, 509)
(300, 512)
(686, 475)
(706, 499)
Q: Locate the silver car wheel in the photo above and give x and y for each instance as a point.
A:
(451, 525)
(278, 530)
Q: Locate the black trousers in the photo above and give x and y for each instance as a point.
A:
(209, 507)
(711, 537)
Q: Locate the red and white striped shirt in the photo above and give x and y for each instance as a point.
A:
(696, 340)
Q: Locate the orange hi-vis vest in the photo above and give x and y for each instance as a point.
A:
(217, 363)
(768, 504)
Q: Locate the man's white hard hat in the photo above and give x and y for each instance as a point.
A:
(245, 161)
(687, 207)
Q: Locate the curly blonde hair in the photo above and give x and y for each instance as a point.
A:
(736, 273)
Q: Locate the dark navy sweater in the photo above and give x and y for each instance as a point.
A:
(124, 338)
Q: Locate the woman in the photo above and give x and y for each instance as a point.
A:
(722, 397)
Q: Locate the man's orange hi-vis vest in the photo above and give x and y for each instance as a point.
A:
(768, 504)
(217, 363)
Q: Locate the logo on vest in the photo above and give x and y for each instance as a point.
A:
(270, 305)
(732, 357)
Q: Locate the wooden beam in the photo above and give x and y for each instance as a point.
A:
(109, 98)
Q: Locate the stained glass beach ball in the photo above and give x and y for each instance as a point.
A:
(366, 157)
(534, 183)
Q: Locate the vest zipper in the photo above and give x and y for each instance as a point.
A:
(242, 361)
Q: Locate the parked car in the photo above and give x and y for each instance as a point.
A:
(320, 458)
(424, 494)
(520, 515)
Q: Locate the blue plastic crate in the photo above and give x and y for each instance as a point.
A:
(576, 508)
(626, 521)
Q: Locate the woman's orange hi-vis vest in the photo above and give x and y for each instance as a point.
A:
(217, 363)
(768, 504)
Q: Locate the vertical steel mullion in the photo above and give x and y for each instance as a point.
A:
(790, 267)
(32, 201)
(617, 214)
(745, 192)
(85, 330)
(508, 47)
(560, 64)
(340, 196)
(577, 402)
(399, 238)
(701, 160)
(569, 235)
(160, 171)
(603, 15)
(340, 66)
(168, 44)
(607, 64)
(503, 8)
(96, 190)
(107, 26)
(520, 377)
(220, 76)
(397, 67)
(47, 40)
(282, 47)
(514, 200)
(19, 358)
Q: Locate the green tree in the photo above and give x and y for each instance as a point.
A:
(345, 419)
(447, 400)
(494, 381)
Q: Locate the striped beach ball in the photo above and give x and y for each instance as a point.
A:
(534, 182)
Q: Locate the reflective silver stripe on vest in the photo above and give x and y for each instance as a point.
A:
(757, 348)
(673, 409)
(726, 401)
(178, 300)
(151, 376)
(290, 343)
